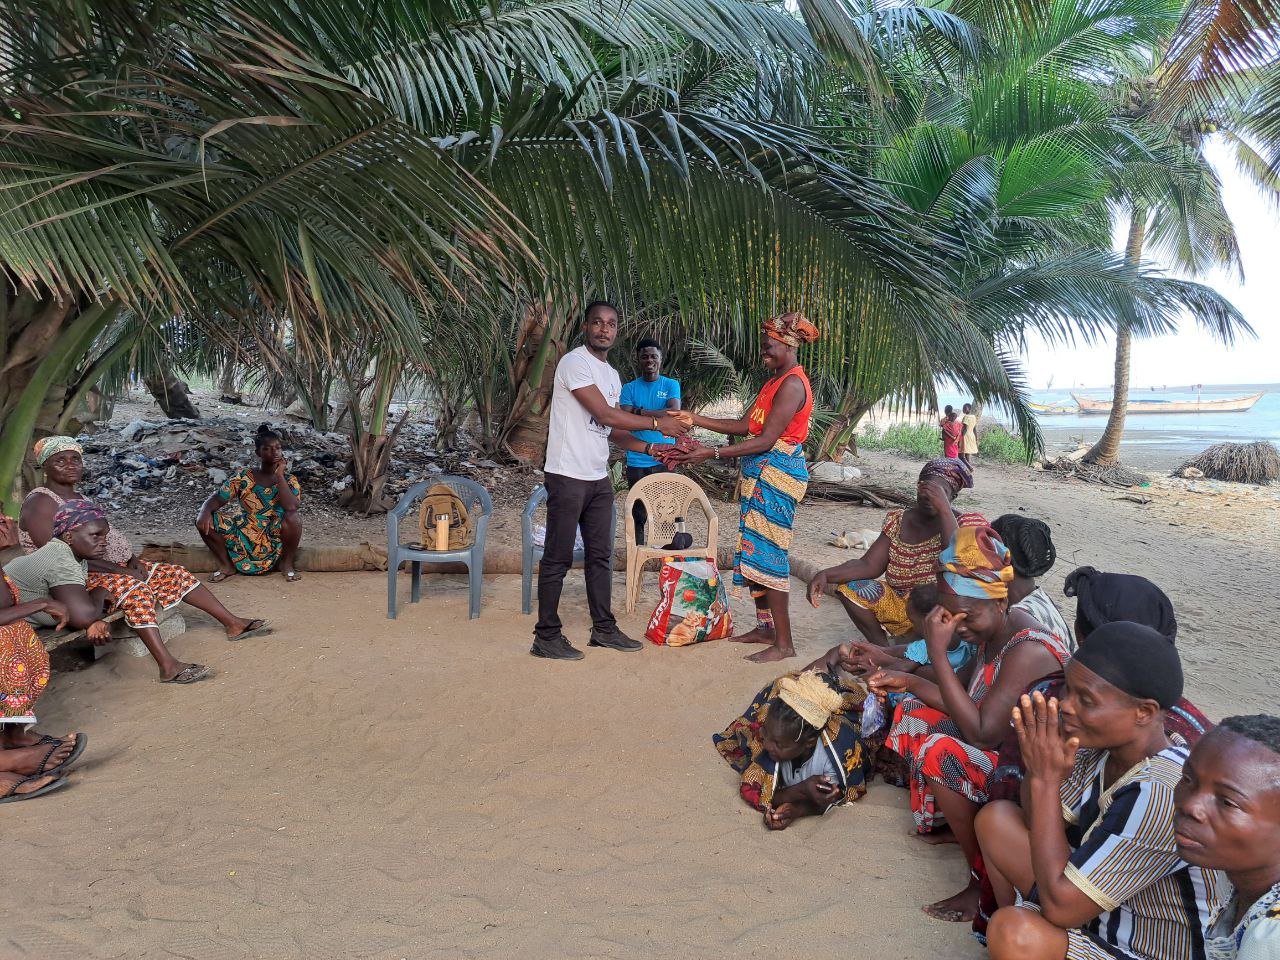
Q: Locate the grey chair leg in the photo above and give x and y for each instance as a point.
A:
(475, 576)
(526, 586)
(391, 590)
(415, 591)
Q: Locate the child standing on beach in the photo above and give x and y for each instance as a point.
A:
(952, 430)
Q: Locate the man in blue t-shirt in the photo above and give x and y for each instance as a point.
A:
(649, 395)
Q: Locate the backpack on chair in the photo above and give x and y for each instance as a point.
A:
(441, 501)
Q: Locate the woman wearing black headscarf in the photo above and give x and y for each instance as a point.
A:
(1031, 547)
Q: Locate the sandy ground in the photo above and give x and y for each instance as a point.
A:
(359, 787)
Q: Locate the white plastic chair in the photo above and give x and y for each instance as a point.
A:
(665, 496)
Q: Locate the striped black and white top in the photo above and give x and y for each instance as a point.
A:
(1125, 860)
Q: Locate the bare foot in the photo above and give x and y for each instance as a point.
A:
(29, 761)
(757, 635)
(771, 654)
(961, 908)
(222, 573)
(936, 838)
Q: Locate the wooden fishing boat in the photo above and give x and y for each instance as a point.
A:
(1228, 405)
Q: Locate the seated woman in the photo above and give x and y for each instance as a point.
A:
(1101, 598)
(797, 748)
(119, 570)
(61, 569)
(265, 534)
(1091, 853)
(1227, 817)
(30, 764)
(874, 587)
(1030, 545)
(948, 731)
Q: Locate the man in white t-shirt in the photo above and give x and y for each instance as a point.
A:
(584, 419)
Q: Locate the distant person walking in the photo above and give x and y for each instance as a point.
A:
(969, 435)
(952, 429)
(584, 418)
(649, 395)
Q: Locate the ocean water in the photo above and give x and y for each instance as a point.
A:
(1157, 441)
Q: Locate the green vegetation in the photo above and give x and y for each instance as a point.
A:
(922, 441)
(342, 198)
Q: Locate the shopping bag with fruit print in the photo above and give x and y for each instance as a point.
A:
(693, 605)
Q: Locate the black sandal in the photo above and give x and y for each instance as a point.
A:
(191, 673)
(12, 796)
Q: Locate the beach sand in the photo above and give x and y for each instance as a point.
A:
(359, 787)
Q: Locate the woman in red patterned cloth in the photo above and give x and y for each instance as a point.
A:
(874, 588)
(139, 588)
(774, 477)
(948, 729)
(30, 763)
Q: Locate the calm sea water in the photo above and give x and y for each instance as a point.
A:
(1162, 441)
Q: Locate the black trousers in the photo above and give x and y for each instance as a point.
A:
(638, 513)
(572, 504)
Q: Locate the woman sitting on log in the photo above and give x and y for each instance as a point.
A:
(264, 536)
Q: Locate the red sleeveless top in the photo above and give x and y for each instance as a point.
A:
(797, 431)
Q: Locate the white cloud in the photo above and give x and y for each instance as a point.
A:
(1191, 355)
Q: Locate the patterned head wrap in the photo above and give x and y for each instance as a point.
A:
(954, 473)
(975, 564)
(792, 329)
(46, 448)
(75, 513)
(811, 697)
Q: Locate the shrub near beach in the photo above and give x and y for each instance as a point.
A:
(922, 441)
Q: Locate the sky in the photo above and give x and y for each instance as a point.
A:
(1191, 355)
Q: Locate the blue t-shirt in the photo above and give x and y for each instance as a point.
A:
(648, 396)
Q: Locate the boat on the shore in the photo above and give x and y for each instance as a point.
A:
(1228, 405)
(1052, 409)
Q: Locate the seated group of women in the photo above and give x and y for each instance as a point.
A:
(76, 569)
(1101, 814)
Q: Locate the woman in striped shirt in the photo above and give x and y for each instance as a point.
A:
(1091, 859)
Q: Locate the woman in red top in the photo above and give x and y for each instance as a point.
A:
(952, 431)
(774, 478)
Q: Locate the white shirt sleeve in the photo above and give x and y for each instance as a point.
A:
(576, 371)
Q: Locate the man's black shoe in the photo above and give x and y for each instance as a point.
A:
(557, 648)
(617, 640)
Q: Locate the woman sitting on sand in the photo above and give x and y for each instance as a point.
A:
(948, 731)
(1031, 548)
(874, 587)
(140, 588)
(1228, 818)
(1093, 851)
(264, 536)
(30, 763)
(797, 748)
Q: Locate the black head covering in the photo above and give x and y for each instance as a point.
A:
(1030, 544)
(1136, 659)
(1103, 598)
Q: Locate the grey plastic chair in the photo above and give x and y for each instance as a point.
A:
(479, 507)
(532, 553)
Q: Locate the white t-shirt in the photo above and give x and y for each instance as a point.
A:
(577, 445)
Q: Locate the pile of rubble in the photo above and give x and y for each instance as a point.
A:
(153, 474)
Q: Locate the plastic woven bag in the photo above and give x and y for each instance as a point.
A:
(692, 606)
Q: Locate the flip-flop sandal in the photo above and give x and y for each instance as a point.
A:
(261, 630)
(293, 577)
(191, 673)
(12, 796)
(82, 741)
(219, 576)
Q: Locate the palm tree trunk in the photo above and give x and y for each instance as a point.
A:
(1107, 450)
(171, 393)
